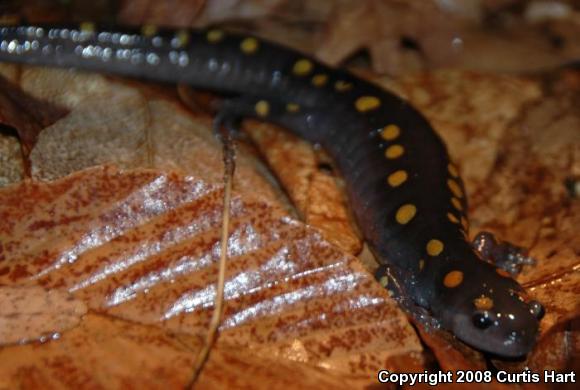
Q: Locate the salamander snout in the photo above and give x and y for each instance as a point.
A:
(502, 324)
(537, 309)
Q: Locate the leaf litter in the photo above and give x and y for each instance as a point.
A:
(118, 255)
(141, 245)
(30, 313)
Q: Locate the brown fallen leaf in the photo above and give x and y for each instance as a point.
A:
(314, 193)
(402, 37)
(471, 111)
(101, 352)
(105, 352)
(26, 114)
(113, 122)
(181, 13)
(177, 13)
(527, 205)
(30, 313)
(385, 24)
(142, 246)
(232, 368)
(461, 86)
(12, 168)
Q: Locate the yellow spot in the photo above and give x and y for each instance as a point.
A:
(249, 45)
(182, 37)
(434, 247)
(483, 303)
(503, 272)
(262, 108)
(452, 218)
(319, 80)
(390, 132)
(456, 203)
(342, 86)
(149, 30)
(394, 151)
(214, 36)
(87, 27)
(384, 281)
(421, 264)
(406, 213)
(453, 279)
(464, 223)
(454, 187)
(452, 170)
(397, 178)
(292, 107)
(302, 67)
(367, 103)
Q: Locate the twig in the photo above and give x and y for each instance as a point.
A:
(211, 337)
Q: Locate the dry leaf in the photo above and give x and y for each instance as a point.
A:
(472, 111)
(24, 113)
(177, 13)
(11, 159)
(402, 37)
(182, 13)
(112, 122)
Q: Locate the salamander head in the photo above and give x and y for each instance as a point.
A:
(490, 314)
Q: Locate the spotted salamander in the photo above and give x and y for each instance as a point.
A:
(406, 194)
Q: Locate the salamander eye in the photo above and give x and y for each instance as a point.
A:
(482, 320)
(537, 309)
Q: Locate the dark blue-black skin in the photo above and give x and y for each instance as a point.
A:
(399, 178)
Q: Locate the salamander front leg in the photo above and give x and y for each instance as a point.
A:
(226, 124)
(504, 255)
(232, 111)
(386, 276)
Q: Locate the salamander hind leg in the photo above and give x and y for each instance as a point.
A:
(504, 255)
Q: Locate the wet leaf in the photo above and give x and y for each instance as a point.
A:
(104, 352)
(101, 352)
(313, 192)
(143, 246)
(140, 245)
(30, 313)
